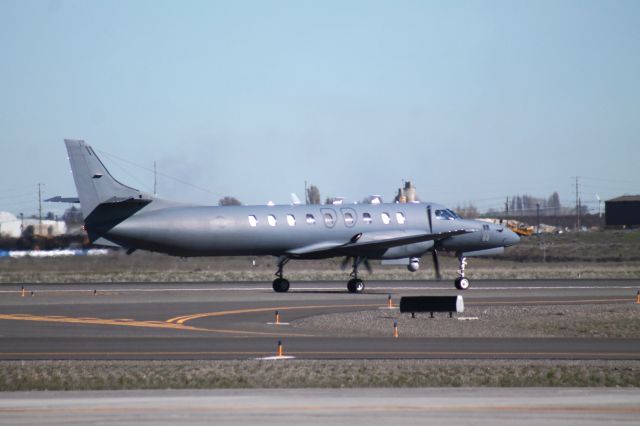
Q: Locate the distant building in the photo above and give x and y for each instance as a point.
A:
(11, 226)
(622, 211)
(406, 194)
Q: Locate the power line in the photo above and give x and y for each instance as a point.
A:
(160, 174)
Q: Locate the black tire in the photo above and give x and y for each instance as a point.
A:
(280, 285)
(462, 283)
(355, 285)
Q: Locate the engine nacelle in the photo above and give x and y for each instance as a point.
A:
(414, 264)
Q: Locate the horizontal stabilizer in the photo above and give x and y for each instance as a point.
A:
(59, 199)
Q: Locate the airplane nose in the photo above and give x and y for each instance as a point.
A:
(510, 238)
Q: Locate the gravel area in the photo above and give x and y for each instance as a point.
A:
(604, 320)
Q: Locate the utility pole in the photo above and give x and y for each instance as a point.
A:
(538, 218)
(506, 210)
(577, 204)
(306, 194)
(39, 209)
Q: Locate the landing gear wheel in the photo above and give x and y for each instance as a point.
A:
(355, 285)
(462, 283)
(280, 285)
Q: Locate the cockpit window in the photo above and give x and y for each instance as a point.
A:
(446, 214)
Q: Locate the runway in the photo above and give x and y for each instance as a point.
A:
(236, 321)
(478, 406)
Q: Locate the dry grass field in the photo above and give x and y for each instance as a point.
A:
(104, 375)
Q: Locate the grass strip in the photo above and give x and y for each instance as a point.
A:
(120, 375)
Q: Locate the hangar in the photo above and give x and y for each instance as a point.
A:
(622, 211)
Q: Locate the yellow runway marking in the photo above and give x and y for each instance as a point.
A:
(185, 318)
(133, 323)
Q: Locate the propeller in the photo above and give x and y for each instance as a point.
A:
(436, 264)
(349, 260)
(434, 252)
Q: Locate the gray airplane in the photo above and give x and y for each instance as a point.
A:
(118, 215)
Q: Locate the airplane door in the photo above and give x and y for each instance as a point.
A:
(349, 216)
(329, 217)
(486, 235)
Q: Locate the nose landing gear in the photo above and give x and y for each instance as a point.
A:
(461, 282)
(281, 284)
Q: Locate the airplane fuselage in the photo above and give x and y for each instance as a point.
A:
(276, 230)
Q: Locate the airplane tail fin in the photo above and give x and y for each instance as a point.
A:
(94, 183)
(104, 201)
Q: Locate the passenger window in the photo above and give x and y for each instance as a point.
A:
(366, 217)
(348, 219)
(328, 220)
(291, 220)
(253, 221)
(310, 219)
(386, 219)
(271, 219)
(400, 218)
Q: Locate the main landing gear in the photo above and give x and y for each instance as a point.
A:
(461, 282)
(281, 284)
(355, 284)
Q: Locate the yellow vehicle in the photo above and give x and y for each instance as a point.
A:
(521, 229)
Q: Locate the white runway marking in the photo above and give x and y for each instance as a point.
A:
(102, 291)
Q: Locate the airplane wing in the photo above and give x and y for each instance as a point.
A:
(383, 240)
(373, 241)
(317, 248)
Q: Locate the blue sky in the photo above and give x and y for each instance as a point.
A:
(472, 101)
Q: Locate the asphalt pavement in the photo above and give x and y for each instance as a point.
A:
(235, 320)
